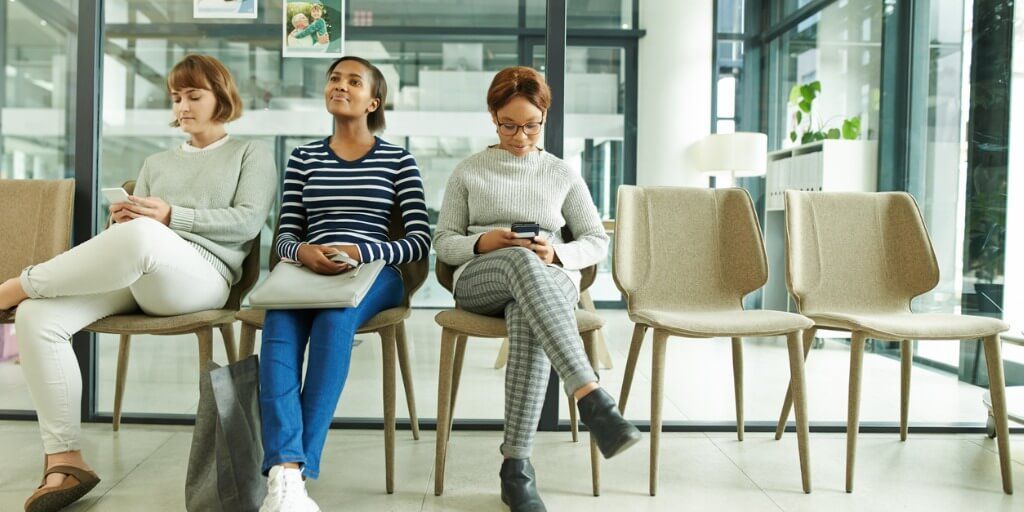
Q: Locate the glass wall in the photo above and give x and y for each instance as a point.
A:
(436, 108)
(838, 48)
(938, 184)
(37, 117)
(37, 97)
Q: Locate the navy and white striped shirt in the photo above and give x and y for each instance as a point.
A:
(330, 201)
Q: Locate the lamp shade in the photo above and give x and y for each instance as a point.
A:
(740, 153)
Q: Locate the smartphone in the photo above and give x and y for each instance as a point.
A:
(341, 257)
(528, 230)
(116, 195)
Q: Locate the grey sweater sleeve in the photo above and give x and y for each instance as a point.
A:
(240, 222)
(591, 242)
(453, 245)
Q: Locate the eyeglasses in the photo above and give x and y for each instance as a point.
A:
(510, 129)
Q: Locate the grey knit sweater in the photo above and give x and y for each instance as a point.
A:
(493, 188)
(219, 198)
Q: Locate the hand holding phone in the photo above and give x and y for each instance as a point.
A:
(341, 257)
(116, 195)
(528, 230)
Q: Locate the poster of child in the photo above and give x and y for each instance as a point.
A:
(232, 9)
(313, 28)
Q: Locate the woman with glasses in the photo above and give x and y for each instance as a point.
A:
(533, 282)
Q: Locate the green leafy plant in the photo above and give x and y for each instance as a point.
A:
(802, 97)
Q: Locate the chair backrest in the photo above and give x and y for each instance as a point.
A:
(35, 222)
(250, 266)
(446, 273)
(414, 274)
(681, 248)
(856, 251)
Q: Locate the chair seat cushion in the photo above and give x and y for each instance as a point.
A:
(145, 324)
(256, 317)
(913, 326)
(711, 324)
(483, 326)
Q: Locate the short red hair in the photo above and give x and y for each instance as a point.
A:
(518, 81)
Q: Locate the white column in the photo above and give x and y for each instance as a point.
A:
(674, 110)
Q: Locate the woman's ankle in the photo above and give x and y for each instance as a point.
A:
(69, 458)
(11, 293)
(585, 390)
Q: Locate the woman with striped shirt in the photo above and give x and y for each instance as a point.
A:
(338, 196)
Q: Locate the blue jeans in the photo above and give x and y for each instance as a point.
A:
(295, 423)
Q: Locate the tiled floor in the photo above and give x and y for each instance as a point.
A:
(144, 467)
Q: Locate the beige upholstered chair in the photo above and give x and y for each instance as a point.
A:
(854, 261)
(389, 325)
(35, 219)
(200, 323)
(685, 258)
(457, 325)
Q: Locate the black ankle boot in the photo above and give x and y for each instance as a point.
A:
(613, 433)
(519, 486)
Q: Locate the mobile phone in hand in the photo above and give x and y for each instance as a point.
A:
(116, 195)
(341, 257)
(527, 230)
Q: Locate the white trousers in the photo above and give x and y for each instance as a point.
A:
(140, 264)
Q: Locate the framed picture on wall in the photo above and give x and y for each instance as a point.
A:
(232, 9)
(313, 28)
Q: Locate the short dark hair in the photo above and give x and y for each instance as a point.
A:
(205, 72)
(374, 120)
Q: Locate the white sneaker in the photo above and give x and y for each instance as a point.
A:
(286, 492)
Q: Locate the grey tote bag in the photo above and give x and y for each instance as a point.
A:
(224, 463)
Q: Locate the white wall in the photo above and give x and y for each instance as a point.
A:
(674, 108)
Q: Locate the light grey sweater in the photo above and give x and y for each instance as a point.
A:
(492, 189)
(219, 198)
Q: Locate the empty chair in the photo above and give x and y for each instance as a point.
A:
(854, 262)
(685, 258)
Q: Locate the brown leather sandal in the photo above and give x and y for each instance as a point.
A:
(78, 483)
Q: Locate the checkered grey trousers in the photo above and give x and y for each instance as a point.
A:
(539, 304)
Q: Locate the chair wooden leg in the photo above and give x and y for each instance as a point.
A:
(205, 336)
(502, 359)
(657, 383)
(227, 333)
(799, 391)
(997, 390)
(460, 356)
(247, 344)
(906, 361)
(574, 426)
(122, 374)
(787, 403)
(387, 338)
(590, 346)
(737, 381)
(639, 330)
(444, 406)
(406, 369)
(603, 356)
(853, 404)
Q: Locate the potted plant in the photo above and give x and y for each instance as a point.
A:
(802, 97)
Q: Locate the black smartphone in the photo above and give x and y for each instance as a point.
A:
(526, 229)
